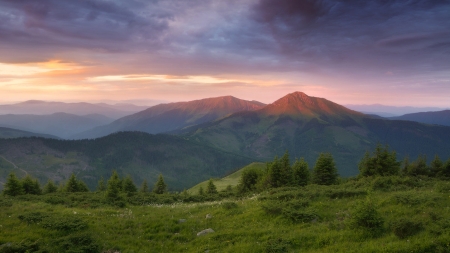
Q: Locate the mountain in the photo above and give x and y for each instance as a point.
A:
(390, 111)
(436, 118)
(60, 124)
(8, 133)
(174, 116)
(307, 126)
(143, 156)
(38, 107)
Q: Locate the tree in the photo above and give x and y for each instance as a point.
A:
(325, 172)
(31, 186)
(418, 167)
(285, 170)
(75, 185)
(113, 187)
(144, 186)
(128, 185)
(201, 191)
(211, 188)
(249, 179)
(381, 163)
(274, 173)
(405, 166)
(13, 187)
(160, 186)
(436, 166)
(50, 187)
(301, 175)
(445, 172)
(101, 186)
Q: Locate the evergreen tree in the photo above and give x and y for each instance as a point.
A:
(201, 191)
(72, 184)
(381, 163)
(285, 170)
(211, 188)
(301, 174)
(418, 167)
(144, 186)
(81, 186)
(31, 186)
(249, 179)
(128, 185)
(405, 166)
(445, 172)
(113, 187)
(436, 166)
(274, 173)
(160, 186)
(13, 187)
(101, 186)
(325, 172)
(50, 187)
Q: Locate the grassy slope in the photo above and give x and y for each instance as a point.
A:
(232, 179)
(247, 228)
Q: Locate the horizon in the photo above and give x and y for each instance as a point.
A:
(259, 50)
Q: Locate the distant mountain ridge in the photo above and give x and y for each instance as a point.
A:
(390, 111)
(437, 118)
(58, 124)
(10, 133)
(38, 107)
(169, 117)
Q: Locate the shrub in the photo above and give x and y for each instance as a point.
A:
(21, 247)
(248, 180)
(366, 217)
(403, 227)
(31, 218)
(296, 215)
(229, 205)
(79, 242)
(64, 223)
(277, 245)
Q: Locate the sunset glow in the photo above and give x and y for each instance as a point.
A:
(254, 49)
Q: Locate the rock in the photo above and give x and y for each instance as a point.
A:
(181, 220)
(208, 216)
(206, 231)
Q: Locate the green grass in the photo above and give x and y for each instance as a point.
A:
(263, 222)
(232, 179)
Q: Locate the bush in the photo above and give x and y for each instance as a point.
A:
(276, 246)
(296, 215)
(229, 205)
(366, 217)
(21, 247)
(31, 218)
(403, 227)
(79, 242)
(64, 223)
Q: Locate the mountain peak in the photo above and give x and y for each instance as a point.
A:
(298, 103)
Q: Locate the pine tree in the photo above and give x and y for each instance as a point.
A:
(160, 186)
(101, 186)
(436, 166)
(419, 167)
(211, 188)
(31, 186)
(144, 186)
(113, 187)
(72, 184)
(381, 163)
(201, 191)
(249, 179)
(445, 172)
(405, 166)
(274, 173)
(325, 172)
(13, 187)
(285, 170)
(128, 185)
(301, 174)
(50, 187)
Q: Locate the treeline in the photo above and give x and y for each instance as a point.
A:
(113, 188)
(380, 162)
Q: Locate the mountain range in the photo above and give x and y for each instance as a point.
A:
(59, 124)
(436, 118)
(231, 132)
(38, 107)
(174, 116)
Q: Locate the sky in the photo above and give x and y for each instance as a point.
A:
(393, 52)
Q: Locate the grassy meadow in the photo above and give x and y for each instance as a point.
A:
(404, 214)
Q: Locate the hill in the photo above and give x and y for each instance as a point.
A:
(141, 155)
(173, 116)
(307, 126)
(230, 180)
(436, 118)
(60, 124)
(8, 133)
